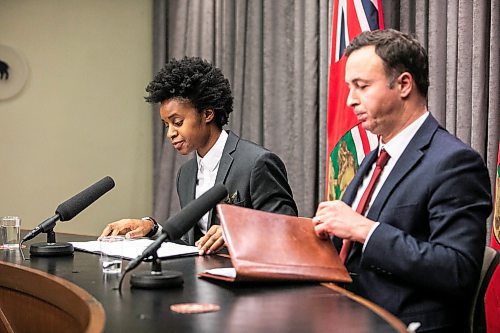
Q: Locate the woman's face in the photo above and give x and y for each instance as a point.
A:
(187, 129)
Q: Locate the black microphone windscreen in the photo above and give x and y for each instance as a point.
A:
(73, 206)
(179, 224)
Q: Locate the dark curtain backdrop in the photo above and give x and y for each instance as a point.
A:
(275, 53)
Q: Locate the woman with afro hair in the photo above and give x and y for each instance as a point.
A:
(195, 102)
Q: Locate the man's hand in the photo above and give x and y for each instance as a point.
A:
(212, 241)
(131, 228)
(335, 218)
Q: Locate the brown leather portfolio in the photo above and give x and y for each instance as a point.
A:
(268, 246)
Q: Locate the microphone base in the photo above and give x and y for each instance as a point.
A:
(148, 280)
(51, 249)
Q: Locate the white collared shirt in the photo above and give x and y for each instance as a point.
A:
(208, 166)
(395, 147)
(207, 172)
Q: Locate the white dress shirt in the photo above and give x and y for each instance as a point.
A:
(208, 166)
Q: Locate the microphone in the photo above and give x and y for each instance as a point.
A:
(73, 206)
(173, 229)
(176, 226)
(65, 212)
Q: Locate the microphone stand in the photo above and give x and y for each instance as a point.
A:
(51, 248)
(157, 278)
(174, 228)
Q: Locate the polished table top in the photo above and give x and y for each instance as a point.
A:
(256, 307)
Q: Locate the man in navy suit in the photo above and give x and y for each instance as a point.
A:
(196, 101)
(417, 249)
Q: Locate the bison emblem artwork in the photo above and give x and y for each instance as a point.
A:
(4, 70)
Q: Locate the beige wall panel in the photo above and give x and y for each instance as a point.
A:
(81, 115)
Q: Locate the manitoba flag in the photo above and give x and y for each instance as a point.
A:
(495, 230)
(347, 141)
(492, 297)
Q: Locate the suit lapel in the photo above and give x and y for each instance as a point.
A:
(406, 162)
(190, 181)
(224, 165)
(189, 184)
(226, 160)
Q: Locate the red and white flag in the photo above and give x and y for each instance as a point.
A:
(492, 297)
(347, 141)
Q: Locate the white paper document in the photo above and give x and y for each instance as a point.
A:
(134, 247)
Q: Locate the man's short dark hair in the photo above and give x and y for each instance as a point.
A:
(400, 53)
(196, 80)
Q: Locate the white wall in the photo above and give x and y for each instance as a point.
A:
(81, 115)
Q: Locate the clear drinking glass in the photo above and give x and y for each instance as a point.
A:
(111, 248)
(10, 232)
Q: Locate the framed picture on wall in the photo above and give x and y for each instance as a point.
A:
(13, 72)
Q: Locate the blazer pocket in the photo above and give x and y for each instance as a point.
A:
(234, 199)
(239, 203)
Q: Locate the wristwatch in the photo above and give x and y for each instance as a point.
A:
(153, 231)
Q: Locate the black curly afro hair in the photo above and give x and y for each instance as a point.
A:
(196, 80)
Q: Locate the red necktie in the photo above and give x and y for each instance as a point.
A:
(365, 199)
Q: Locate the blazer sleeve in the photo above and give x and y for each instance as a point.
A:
(269, 188)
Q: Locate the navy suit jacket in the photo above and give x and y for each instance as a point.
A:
(254, 177)
(424, 259)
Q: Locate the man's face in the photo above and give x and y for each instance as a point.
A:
(187, 129)
(377, 106)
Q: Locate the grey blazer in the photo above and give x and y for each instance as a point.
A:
(254, 177)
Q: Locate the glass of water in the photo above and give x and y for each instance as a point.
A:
(111, 248)
(10, 232)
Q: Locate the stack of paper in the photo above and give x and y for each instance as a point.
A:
(134, 247)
